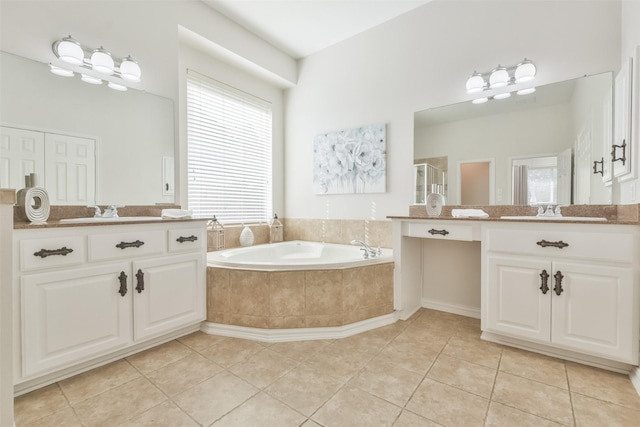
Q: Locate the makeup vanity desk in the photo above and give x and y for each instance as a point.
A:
(570, 289)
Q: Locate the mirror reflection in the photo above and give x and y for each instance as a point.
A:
(88, 144)
(529, 149)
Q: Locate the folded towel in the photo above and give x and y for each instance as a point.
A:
(469, 213)
(176, 213)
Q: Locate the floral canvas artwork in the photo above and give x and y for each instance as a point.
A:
(350, 161)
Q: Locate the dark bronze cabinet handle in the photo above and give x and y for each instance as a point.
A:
(560, 244)
(123, 283)
(624, 152)
(124, 245)
(440, 232)
(544, 285)
(558, 287)
(43, 253)
(595, 167)
(140, 278)
(183, 239)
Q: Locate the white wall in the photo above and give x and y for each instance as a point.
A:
(422, 60)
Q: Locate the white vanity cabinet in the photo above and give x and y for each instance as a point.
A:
(569, 286)
(85, 293)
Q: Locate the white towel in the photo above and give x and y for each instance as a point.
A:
(469, 213)
(176, 213)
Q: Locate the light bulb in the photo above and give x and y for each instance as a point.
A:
(475, 83)
(116, 86)
(526, 91)
(503, 95)
(69, 51)
(60, 71)
(90, 79)
(130, 70)
(525, 71)
(499, 77)
(101, 61)
(479, 100)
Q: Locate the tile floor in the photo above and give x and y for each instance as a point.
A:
(432, 370)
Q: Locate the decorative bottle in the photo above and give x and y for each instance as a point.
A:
(215, 235)
(246, 236)
(275, 230)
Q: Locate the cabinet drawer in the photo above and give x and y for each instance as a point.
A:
(36, 254)
(126, 245)
(616, 247)
(430, 230)
(186, 239)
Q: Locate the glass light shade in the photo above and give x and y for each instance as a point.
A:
(480, 101)
(503, 95)
(60, 71)
(101, 61)
(526, 91)
(69, 51)
(525, 71)
(475, 83)
(116, 86)
(499, 77)
(130, 70)
(90, 79)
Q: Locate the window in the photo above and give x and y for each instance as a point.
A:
(228, 152)
(539, 182)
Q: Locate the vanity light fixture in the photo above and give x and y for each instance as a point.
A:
(503, 95)
(500, 77)
(99, 60)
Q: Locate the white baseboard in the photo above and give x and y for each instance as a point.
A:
(297, 334)
(634, 376)
(462, 310)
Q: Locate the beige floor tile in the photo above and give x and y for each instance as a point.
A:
(432, 337)
(311, 423)
(62, 417)
(354, 407)
(232, 351)
(500, 416)
(604, 385)
(38, 404)
(367, 342)
(415, 356)
(262, 410)
(534, 366)
(591, 412)
(387, 381)
(448, 405)
(157, 357)
(263, 368)
(300, 350)
(213, 398)
(99, 380)
(533, 397)
(464, 375)
(339, 363)
(474, 350)
(305, 389)
(178, 376)
(119, 404)
(165, 414)
(393, 330)
(199, 340)
(409, 419)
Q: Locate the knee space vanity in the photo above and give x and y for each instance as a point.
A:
(567, 289)
(86, 295)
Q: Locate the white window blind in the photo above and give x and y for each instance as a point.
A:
(229, 152)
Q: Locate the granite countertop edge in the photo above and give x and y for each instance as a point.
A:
(58, 224)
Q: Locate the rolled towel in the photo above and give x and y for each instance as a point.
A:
(469, 213)
(176, 213)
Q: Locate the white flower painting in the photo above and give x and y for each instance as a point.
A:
(350, 161)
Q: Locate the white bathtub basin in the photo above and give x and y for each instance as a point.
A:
(117, 219)
(554, 218)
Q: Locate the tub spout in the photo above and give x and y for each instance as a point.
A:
(368, 250)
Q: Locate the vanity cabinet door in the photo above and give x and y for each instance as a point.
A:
(72, 315)
(168, 293)
(594, 311)
(516, 304)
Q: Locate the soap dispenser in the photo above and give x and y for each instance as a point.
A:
(275, 230)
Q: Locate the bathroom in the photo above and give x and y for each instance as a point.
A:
(418, 61)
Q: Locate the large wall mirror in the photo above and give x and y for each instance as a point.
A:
(133, 131)
(527, 149)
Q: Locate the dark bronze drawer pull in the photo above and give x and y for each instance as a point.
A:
(124, 245)
(440, 232)
(560, 244)
(595, 167)
(558, 287)
(183, 239)
(123, 283)
(43, 253)
(140, 278)
(544, 286)
(624, 152)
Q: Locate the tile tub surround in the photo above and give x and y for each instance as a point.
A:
(430, 370)
(298, 299)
